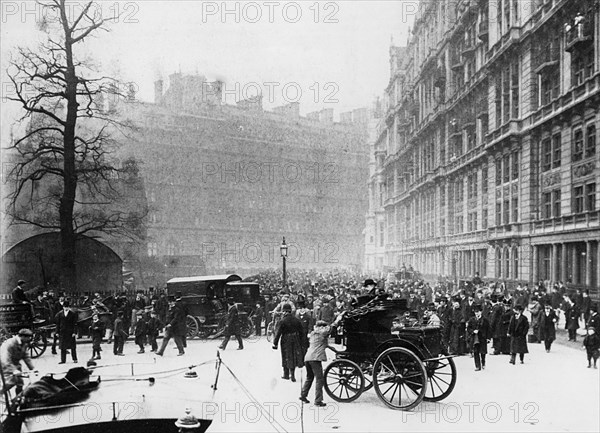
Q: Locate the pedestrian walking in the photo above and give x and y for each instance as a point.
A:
(594, 319)
(591, 342)
(97, 330)
(176, 327)
(572, 313)
(548, 321)
(517, 331)
(66, 328)
(120, 334)
(153, 326)
(290, 332)
(257, 319)
(232, 327)
(478, 329)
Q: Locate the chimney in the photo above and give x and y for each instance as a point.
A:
(158, 91)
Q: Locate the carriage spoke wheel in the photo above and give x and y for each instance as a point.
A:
(441, 378)
(38, 345)
(344, 380)
(192, 327)
(399, 378)
(270, 332)
(247, 328)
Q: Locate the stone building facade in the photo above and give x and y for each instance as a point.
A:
(487, 159)
(225, 183)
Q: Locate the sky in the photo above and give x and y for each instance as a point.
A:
(322, 54)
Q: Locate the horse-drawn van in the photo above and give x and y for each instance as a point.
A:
(205, 298)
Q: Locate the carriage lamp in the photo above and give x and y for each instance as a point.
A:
(284, 250)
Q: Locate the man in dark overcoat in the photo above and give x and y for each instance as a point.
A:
(176, 327)
(478, 329)
(495, 320)
(457, 329)
(232, 327)
(517, 331)
(290, 332)
(548, 321)
(66, 328)
(594, 320)
(572, 313)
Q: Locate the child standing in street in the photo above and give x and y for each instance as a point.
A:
(153, 326)
(140, 331)
(591, 342)
(120, 334)
(97, 332)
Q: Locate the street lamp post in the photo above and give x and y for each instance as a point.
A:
(283, 250)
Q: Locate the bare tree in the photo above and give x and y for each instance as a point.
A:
(65, 177)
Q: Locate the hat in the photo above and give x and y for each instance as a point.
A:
(519, 307)
(21, 282)
(369, 282)
(286, 307)
(26, 332)
(66, 304)
(477, 308)
(321, 323)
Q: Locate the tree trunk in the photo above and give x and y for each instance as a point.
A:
(67, 201)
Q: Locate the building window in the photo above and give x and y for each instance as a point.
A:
(442, 195)
(547, 205)
(590, 197)
(515, 263)
(550, 85)
(484, 181)
(506, 168)
(498, 263)
(578, 204)
(381, 234)
(484, 219)
(557, 203)
(582, 65)
(506, 267)
(515, 165)
(514, 82)
(506, 208)
(578, 145)
(590, 141)
(556, 150)
(498, 172)
(515, 209)
(152, 249)
(498, 214)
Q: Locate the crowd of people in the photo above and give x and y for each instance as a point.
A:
(308, 309)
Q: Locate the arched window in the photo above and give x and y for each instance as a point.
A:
(515, 263)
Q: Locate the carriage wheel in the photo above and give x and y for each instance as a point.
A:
(38, 344)
(192, 327)
(344, 380)
(270, 332)
(399, 378)
(441, 378)
(246, 328)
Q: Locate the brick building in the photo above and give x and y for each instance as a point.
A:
(487, 158)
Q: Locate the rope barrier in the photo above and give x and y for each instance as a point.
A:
(278, 427)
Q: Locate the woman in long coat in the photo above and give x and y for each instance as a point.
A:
(290, 332)
(548, 321)
(517, 331)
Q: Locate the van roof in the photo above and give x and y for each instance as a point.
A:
(242, 283)
(225, 277)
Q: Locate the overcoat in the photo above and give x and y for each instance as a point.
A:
(517, 331)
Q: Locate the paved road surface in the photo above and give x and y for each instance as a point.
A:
(550, 392)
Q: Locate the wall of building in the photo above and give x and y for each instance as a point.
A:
(462, 153)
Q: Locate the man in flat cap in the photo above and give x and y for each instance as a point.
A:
(12, 352)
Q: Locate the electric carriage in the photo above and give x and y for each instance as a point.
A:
(405, 365)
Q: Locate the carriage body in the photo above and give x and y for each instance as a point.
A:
(405, 365)
(15, 316)
(205, 300)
